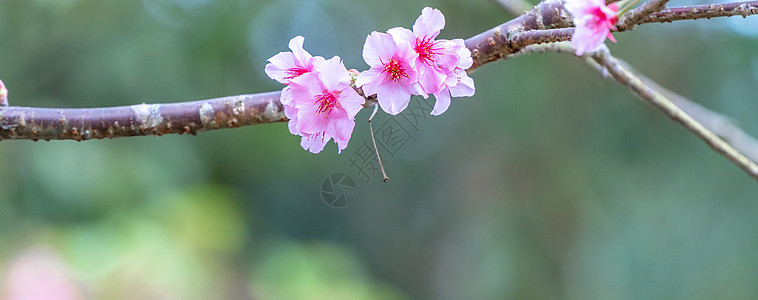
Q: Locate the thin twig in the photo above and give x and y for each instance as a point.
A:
(635, 16)
(719, 124)
(624, 76)
(376, 150)
(743, 9)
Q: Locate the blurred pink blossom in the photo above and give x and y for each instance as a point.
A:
(594, 21)
(3, 94)
(39, 275)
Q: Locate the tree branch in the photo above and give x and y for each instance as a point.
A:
(637, 85)
(141, 119)
(633, 17)
(717, 123)
(548, 21)
(743, 9)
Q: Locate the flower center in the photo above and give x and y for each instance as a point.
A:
(326, 103)
(295, 72)
(601, 16)
(394, 70)
(425, 49)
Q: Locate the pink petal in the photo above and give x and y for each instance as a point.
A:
(464, 54)
(278, 65)
(310, 121)
(341, 130)
(314, 143)
(333, 74)
(304, 88)
(429, 23)
(407, 57)
(393, 97)
(465, 86)
(351, 102)
(291, 113)
(379, 46)
(402, 35)
(302, 56)
(442, 103)
(430, 79)
(369, 80)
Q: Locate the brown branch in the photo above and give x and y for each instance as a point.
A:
(633, 17)
(717, 123)
(546, 22)
(637, 85)
(743, 9)
(141, 119)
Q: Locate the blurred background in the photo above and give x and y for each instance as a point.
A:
(550, 182)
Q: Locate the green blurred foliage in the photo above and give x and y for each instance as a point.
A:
(551, 182)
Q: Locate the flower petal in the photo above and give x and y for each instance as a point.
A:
(278, 65)
(429, 23)
(402, 35)
(333, 74)
(393, 97)
(442, 103)
(314, 143)
(351, 102)
(379, 46)
(302, 56)
(304, 88)
(369, 80)
(465, 86)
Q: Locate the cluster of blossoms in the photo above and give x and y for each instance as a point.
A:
(320, 98)
(594, 21)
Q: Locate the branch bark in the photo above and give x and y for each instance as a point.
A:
(546, 22)
(139, 120)
(743, 9)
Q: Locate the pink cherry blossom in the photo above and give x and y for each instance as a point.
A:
(459, 84)
(594, 21)
(3, 94)
(392, 76)
(323, 106)
(436, 60)
(286, 66)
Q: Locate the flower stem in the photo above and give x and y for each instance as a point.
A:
(373, 140)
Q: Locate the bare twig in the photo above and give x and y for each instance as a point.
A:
(743, 9)
(635, 16)
(715, 122)
(616, 69)
(376, 150)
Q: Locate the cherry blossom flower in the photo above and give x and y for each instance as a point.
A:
(286, 66)
(594, 21)
(323, 106)
(3, 94)
(459, 84)
(392, 76)
(436, 59)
